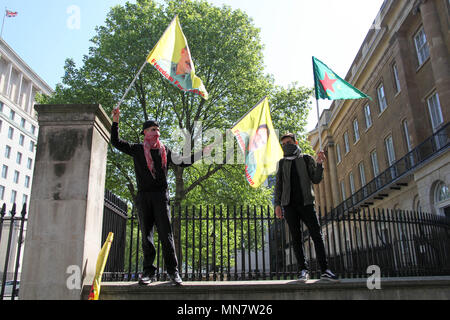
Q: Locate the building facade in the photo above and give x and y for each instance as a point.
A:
(393, 151)
(19, 85)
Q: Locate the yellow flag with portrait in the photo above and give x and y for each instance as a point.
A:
(258, 141)
(172, 58)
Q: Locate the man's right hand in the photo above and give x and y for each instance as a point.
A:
(278, 212)
(116, 115)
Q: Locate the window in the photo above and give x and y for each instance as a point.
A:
(19, 158)
(406, 134)
(22, 122)
(24, 199)
(13, 196)
(338, 153)
(355, 130)
(381, 98)
(12, 115)
(2, 192)
(21, 139)
(32, 146)
(346, 144)
(396, 78)
(367, 116)
(16, 176)
(1, 107)
(343, 190)
(10, 133)
(422, 50)
(5, 172)
(352, 183)
(434, 107)
(390, 150)
(7, 152)
(1, 124)
(374, 159)
(33, 129)
(29, 163)
(362, 174)
(27, 182)
(442, 199)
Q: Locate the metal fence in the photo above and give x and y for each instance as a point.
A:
(250, 243)
(13, 232)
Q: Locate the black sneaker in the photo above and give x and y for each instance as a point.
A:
(304, 276)
(146, 279)
(175, 278)
(329, 276)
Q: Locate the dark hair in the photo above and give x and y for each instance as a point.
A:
(149, 124)
(264, 126)
(289, 135)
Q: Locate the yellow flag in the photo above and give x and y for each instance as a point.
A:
(258, 141)
(172, 58)
(101, 263)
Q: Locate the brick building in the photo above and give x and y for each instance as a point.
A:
(393, 152)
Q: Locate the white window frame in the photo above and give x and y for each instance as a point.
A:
(356, 130)
(374, 160)
(406, 133)
(338, 153)
(441, 204)
(343, 190)
(7, 152)
(362, 174)
(421, 44)
(390, 150)
(5, 171)
(13, 196)
(2, 192)
(368, 116)
(382, 102)
(16, 177)
(397, 85)
(351, 178)
(346, 143)
(435, 111)
(11, 133)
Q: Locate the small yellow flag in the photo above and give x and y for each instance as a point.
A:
(258, 141)
(101, 263)
(172, 58)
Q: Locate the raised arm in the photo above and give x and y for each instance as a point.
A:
(119, 144)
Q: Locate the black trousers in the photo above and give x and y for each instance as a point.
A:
(294, 214)
(153, 209)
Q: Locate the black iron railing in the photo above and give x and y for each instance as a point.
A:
(12, 226)
(250, 243)
(433, 145)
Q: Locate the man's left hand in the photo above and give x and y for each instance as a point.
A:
(321, 157)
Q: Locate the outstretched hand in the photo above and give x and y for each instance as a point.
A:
(321, 157)
(116, 115)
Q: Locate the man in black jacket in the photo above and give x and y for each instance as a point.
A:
(293, 193)
(151, 160)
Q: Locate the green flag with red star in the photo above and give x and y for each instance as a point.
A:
(330, 86)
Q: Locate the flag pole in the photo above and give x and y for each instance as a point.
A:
(318, 124)
(3, 23)
(129, 87)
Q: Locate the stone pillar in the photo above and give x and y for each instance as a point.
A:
(333, 175)
(438, 51)
(328, 193)
(66, 209)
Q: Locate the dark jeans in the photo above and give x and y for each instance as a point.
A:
(153, 208)
(294, 214)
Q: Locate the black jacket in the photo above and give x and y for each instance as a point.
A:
(308, 172)
(144, 179)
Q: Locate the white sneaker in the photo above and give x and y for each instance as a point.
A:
(329, 276)
(304, 276)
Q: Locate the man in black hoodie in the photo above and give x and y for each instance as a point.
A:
(151, 160)
(293, 192)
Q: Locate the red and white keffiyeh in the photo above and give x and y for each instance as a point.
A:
(151, 141)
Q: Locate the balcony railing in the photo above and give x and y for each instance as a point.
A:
(433, 145)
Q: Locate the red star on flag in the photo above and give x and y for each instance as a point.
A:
(327, 83)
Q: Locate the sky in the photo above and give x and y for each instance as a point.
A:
(47, 32)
